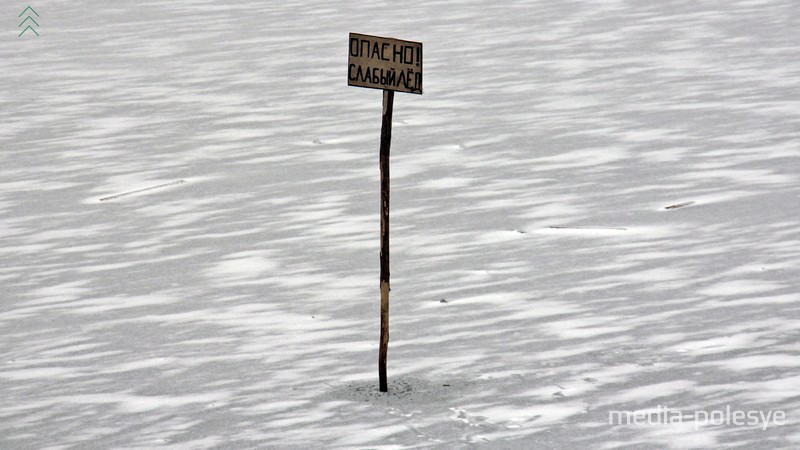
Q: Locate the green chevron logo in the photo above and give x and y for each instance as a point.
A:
(29, 20)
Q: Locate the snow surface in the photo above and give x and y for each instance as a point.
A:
(232, 302)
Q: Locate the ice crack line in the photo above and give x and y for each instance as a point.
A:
(112, 197)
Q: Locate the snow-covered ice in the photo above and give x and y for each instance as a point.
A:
(225, 292)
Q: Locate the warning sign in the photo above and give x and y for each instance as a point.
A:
(384, 63)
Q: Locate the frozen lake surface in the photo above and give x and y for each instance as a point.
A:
(604, 193)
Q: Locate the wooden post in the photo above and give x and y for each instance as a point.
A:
(386, 142)
(390, 65)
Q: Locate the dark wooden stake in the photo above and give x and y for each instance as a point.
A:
(386, 142)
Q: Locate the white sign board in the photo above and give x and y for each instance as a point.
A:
(384, 63)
